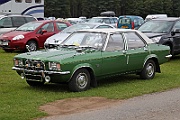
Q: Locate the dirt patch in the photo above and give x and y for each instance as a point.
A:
(75, 105)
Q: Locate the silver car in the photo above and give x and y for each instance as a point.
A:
(58, 38)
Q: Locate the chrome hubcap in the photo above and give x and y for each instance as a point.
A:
(150, 69)
(32, 47)
(82, 80)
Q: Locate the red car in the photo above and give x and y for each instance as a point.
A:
(33, 34)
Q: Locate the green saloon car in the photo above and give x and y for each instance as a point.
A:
(88, 55)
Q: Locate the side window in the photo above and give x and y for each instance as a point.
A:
(49, 27)
(133, 40)
(18, 21)
(177, 25)
(104, 26)
(61, 26)
(115, 42)
(5, 22)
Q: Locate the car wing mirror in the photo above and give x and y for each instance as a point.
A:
(43, 31)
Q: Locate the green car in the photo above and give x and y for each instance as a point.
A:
(88, 55)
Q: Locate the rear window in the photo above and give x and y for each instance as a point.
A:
(124, 20)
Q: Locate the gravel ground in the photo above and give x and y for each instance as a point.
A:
(156, 106)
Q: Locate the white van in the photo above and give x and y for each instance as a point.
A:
(155, 16)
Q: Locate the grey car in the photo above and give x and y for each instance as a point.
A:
(58, 38)
(11, 22)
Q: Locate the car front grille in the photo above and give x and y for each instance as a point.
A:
(34, 65)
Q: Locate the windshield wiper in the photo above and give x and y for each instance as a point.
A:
(87, 47)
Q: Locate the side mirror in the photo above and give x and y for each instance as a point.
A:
(43, 31)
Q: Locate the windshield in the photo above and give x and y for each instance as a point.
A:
(31, 26)
(124, 20)
(156, 26)
(76, 27)
(86, 39)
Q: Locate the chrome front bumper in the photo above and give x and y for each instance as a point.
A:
(40, 71)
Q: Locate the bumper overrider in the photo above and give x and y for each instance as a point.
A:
(38, 75)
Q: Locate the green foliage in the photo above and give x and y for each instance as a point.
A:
(90, 8)
(19, 101)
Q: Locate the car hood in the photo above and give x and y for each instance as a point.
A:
(51, 54)
(14, 33)
(152, 35)
(57, 38)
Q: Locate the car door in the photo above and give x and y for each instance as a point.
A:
(113, 58)
(137, 51)
(176, 37)
(48, 29)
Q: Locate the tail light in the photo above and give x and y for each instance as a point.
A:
(132, 25)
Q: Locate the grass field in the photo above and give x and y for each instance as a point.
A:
(18, 101)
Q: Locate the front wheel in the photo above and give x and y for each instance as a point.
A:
(80, 81)
(148, 72)
(32, 46)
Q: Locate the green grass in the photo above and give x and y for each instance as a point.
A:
(18, 101)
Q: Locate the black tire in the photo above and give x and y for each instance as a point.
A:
(32, 45)
(148, 72)
(35, 83)
(80, 81)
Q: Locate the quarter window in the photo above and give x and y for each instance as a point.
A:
(115, 42)
(133, 40)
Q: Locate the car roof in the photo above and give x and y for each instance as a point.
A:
(109, 30)
(167, 19)
(89, 23)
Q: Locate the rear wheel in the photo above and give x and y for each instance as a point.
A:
(32, 45)
(148, 72)
(80, 81)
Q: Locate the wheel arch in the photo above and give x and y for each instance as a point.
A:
(155, 59)
(90, 69)
(33, 39)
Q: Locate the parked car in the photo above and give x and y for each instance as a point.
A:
(88, 55)
(58, 38)
(32, 34)
(129, 21)
(155, 16)
(11, 22)
(107, 20)
(164, 31)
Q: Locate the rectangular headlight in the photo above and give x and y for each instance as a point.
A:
(54, 66)
(18, 62)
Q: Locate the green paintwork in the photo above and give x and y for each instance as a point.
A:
(99, 63)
